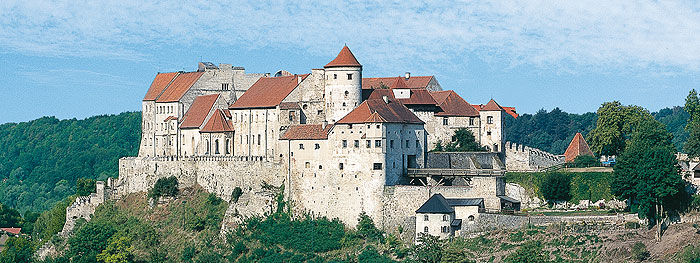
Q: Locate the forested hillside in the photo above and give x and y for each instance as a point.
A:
(41, 160)
(552, 131)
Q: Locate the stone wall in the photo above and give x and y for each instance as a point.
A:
(465, 160)
(524, 158)
(486, 222)
(84, 207)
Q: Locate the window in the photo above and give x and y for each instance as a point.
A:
(377, 143)
(391, 144)
(425, 218)
(320, 167)
(425, 229)
(471, 218)
(488, 133)
(291, 115)
(408, 144)
(344, 104)
(335, 76)
(489, 119)
(258, 139)
(445, 229)
(417, 144)
(301, 146)
(216, 146)
(445, 121)
(205, 142)
(347, 93)
(349, 76)
(357, 143)
(224, 86)
(345, 143)
(377, 166)
(340, 166)
(307, 165)
(228, 142)
(444, 217)
(471, 121)
(317, 146)
(369, 143)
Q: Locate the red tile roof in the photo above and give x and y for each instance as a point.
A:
(12, 230)
(453, 105)
(195, 116)
(417, 97)
(344, 59)
(179, 86)
(371, 111)
(492, 106)
(267, 92)
(158, 85)
(306, 132)
(510, 110)
(170, 118)
(577, 147)
(414, 82)
(218, 123)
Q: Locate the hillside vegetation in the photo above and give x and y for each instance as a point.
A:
(41, 160)
(584, 186)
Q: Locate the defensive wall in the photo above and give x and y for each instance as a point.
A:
(465, 160)
(523, 158)
(487, 222)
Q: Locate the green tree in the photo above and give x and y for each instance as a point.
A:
(464, 141)
(17, 249)
(646, 172)
(370, 255)
(118, 251)
(556, 187)
(429, 249)
(692, 106)
(614, 126)
(367, 229)
(85, 186)
(453, 254)
(164, 187)
(89, 240)
(9, 217)
(585, 161)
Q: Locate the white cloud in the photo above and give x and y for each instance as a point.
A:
(579, 34)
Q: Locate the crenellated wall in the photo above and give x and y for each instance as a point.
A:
(524, 158)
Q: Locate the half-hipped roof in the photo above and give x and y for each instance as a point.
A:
(373, 111)
(577, 147)
(453, 105)
(344, 59)
(435, 205)
(179, 86)
(218, 123)
(268, 92)
(306, 132)
(198, 112)
(160, 82)
(414, 82)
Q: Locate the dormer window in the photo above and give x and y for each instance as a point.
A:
(349, 76)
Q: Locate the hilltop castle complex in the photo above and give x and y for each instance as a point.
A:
(340, 144)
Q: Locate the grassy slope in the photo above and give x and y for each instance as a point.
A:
(584, 186)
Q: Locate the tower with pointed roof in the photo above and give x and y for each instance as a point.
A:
(343, 88)
(492, 133)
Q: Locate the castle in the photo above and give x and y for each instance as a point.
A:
(338, 143)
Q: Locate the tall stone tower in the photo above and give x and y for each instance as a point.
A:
(492, 132)
(343, 90)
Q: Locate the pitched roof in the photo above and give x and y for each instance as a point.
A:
(198, 112)
(306, 132)
(510, 110)
(218, 123)
(267, 92)
(344, 59)
(414, 82)
(453, 105)
(436, 204)
(372, 111)
(160, 82)
(417, 97)
(492, 106)
(465, 202)
(12, 230)
(577, 147)
(170, 118)
(179, 86)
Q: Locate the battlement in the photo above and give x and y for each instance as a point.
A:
(524, 158)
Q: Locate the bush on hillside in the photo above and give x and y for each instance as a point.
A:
(237, 192)
(556, 187)
(85, 186)
(583, 161)
(164, 187)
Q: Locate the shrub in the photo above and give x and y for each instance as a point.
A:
(639, 251)
(531, 252)
(237, 192)
(556, 187)
(85, 187)
(164, 187)
(583, 161)
(631, 225)
(366, 228)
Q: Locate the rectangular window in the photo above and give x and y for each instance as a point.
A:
(408, 144)
(301, 146)
(377, 143)
(291, 115)
(349, 76)
(391, 144)
(369, 143)
(317, 146)
(417, 144)
(445, 229)
(444, 121)
(425, 218)
(345, 143)
(340, 166)
(335, 76)
(258, 139)
(471, 121)
(488, 133)
(357, 143)
(489, 119)
(377, 166)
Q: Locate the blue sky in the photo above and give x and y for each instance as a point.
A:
(82, 58)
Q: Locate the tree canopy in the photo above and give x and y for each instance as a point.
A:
(614, 126)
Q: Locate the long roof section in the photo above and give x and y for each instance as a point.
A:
(179, 86)
(194, 118)
(376, 110)
(414, 82)
(453, 105)
(160, 82)
(267, 92)
(306, 132)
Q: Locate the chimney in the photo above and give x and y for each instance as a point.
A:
(298, 79)
(408, 75)
(323, 126)
(386, 99)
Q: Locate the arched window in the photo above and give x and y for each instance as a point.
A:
(425, 229)
(347, 93)
(216, 146)
(471, 218)
(208, 146)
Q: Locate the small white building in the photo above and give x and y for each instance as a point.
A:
(444, 217)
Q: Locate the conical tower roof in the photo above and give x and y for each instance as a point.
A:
(344, 59)
(577, 147)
